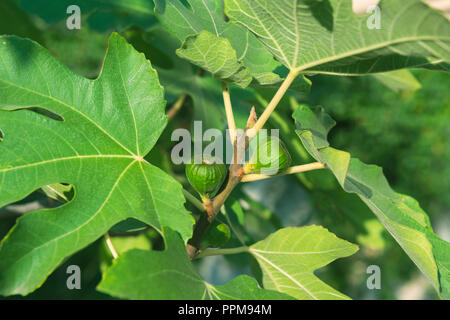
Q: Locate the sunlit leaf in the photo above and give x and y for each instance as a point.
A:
(215, 55)
(289, 257)
(108, 125)
(401, 215)
(169, 274)
(207, 15)
(327, 37)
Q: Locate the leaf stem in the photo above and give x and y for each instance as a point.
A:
(216, 252)
(229, 112)
(192, 199)
(291, 170)
(111, 246)
(176, 106)
(272, 104)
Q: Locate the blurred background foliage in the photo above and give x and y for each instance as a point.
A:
(397, 121)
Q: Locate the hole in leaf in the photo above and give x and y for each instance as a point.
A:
(1, 135)
(46, 113)
(186, 3)
(132, 227)
(129, 225)
(59, 192)
(40, 199)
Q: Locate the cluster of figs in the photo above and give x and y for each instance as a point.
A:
(208, 176)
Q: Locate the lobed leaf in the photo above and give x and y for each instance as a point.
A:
(170, 275)
(206, 92)
(107, 127)
(312, 36)
(215, 55)
(401, 215)
(289, 257)
(207, 15)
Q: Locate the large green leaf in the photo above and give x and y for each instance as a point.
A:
(327, 37)
(108, 125)
(289, 257)
(205, 92)
(178, 76)
(400, 214)
(215, 55)
(207, 15)
(169, 274)
(184, 18)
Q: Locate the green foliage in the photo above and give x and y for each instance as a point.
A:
(101, 15)
(401, 215)
(205, 92)
(309, 36)
(289, 257)
(161, 273)
(97, 149)
(122, 244)
(215, 55)
(399, 80)
(405, 133)
(95, 142)
(205, 15)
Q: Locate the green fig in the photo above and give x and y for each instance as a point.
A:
(267, 160)
(206, 177)
(216, 236)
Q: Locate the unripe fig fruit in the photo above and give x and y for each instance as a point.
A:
(216, 236)
(270, 157)
(206, 177)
